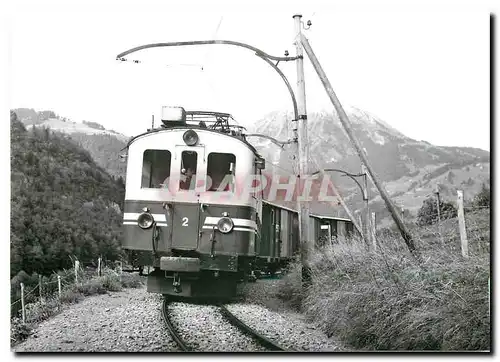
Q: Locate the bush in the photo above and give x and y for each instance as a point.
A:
(483, 198)
(111, 282)
(40, 311)
(290, 286)
(428, 213)
(131, 280)
(19, 331)
(70, 296)
(91, 287)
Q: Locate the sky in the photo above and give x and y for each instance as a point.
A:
(423, 69)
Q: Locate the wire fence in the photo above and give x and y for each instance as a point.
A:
(466, 232)
(28, 290)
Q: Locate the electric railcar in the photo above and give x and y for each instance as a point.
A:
(190, 210)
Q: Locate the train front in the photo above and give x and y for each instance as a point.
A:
(190, 209)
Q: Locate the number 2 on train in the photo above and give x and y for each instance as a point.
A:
(185, 221)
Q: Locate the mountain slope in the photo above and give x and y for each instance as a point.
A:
(103, 145)
(409, 169)
(62, 204)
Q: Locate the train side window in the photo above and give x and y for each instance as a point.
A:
(220, 171)
(189, 161)
(155, 168)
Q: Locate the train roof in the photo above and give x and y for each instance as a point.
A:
(227, 132)
(311, 214)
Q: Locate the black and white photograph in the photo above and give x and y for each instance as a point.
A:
(271, 177)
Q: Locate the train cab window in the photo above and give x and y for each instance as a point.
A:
(189, 161)
(220, 171)
(155, 168)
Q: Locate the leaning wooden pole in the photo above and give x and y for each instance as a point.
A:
(361, 153)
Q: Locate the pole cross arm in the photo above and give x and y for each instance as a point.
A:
(273, 140)
(345, 173)
(263, 55)
(204, 42)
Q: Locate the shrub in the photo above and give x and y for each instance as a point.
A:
(40, 311)
(131, 280)
(483, 198)
(290, 286)
(19, 331)
(91, 287)
(71, 296)
(428, 213)
(111, 282)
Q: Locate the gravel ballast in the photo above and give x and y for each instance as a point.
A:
(204, 329)
(287, 329)
(131, 321)
(126, 321)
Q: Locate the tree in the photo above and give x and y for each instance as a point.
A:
(483, 198)
(428, 213)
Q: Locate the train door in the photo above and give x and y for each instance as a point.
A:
(324, 237)
(349, 229)
(334, 229)
(285, 233)
(277, 232)
(294, 233)
(267, 232)
(186, 216)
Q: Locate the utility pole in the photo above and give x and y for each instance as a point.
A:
(344, 120)
(439, 214)
(366, 228)
(303, 151)
(438, 205)
(461, 224)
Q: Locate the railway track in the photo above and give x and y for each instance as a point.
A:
(264, 341)
(231, 318)
(171, 328)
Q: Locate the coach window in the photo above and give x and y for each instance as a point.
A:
(155, 168)
(220, 171)
(189, 161)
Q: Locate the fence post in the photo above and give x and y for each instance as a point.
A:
(374, 231)
(99, 267)
(59, 285)
(22, 303)
(40, 287)
(77, 266)
(461, 223)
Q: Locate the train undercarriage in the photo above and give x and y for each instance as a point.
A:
(196, 275)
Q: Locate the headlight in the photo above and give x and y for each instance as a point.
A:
(190, 138)
(145, 220)
(225, 225)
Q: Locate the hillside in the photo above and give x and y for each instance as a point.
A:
(409, 169)
(63, 205)
(103, 145)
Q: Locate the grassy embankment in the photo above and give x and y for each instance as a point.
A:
(383, 300)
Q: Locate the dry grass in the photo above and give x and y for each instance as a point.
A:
(383, 300)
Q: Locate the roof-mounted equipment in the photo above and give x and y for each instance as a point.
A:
(173, 116)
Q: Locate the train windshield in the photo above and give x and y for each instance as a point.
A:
(220, 172)
(155, 168)
(189, 160)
